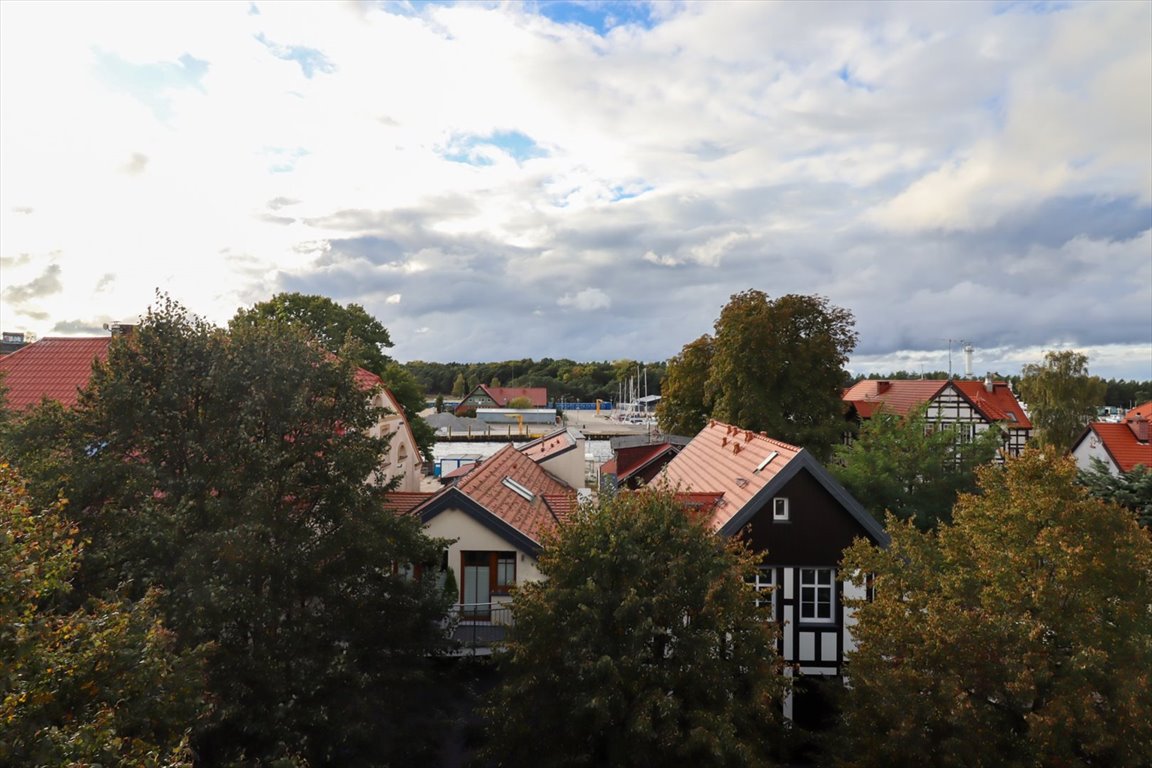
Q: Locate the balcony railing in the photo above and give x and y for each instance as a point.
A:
(477, 627)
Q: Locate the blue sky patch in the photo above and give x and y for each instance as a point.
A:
(150, 83)
(471, 149)
(599, 15)
(310, 60)
(845, 76)
(1035, 7)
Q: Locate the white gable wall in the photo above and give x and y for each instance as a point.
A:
(1093, 447)
(472, 536)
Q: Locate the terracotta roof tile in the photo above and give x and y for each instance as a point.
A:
(998, 405)
(1144, 409)
(1121, 443)
(729, 464)
(487, 487)
(549, 445)
(629, 461)
(899, 396)
(403, 502)
(502, 395)
(53, 368)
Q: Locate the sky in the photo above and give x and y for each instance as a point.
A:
(590, 180)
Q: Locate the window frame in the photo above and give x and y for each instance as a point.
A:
(776, 516)
(764, 580)
(501, 568)
(820, 595)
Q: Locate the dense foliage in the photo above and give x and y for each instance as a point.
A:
(1062, 398)
(774, 366)
(358, 337)
(911, 466)
(643, 647)
(99, 684)
(686, 403)
(1020, 635)
(1131, 490)
(229, 469)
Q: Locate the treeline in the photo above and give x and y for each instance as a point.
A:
(562, 378)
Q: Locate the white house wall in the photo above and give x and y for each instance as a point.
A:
(472, 536)
(1092, 447)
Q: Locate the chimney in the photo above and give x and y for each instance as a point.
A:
(988, 385)
(883, 386)
(1139, 427)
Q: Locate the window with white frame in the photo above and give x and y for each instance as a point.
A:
(780, 509)
(816, 594)
(764, 581)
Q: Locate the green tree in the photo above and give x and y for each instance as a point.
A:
(459, 386)
(439, 403)
(335, 327)
(1062, 398)
(642, 647)
(520, 402)
(912, 467)
(229, 469)
(1020, 635)
(495, 383)
(99, 684)
(778, 367)
(684, 401)
(1131, 490)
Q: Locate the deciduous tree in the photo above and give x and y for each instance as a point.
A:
(1062, 398)
(643, 647)
(778, 367)
(1020, 635)
(229, 469)
(101, 684)
(684, 401)
(912, 467)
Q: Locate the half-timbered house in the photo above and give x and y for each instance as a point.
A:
(969, 407)
(787, 506)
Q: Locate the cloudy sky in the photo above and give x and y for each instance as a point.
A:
(589, 180)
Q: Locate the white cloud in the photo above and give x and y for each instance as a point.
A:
(586, 300)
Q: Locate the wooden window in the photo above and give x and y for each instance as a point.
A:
(816, 595)
(763, 581)
(780, 509)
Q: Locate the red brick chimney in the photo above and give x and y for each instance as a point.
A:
(1139, 427)
(883, 386)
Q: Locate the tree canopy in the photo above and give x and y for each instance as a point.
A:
(1131, 490)
(685, 403)
(643, 647)
(1062, 398)
(102, 683)
(1021, 631)
(912, 467)
(776, 366)
(231, 470)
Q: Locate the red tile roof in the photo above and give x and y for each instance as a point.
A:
(899, 396)
(998, 405)
(403, 502)
(53, 368)
(728, 462)
(1144, 409)
(1121, 443)
(485, 485)
(631, 460)
(502, 395)
(552, 444)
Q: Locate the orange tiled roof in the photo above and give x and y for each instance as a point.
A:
(403, 502)
(53, 368)
(538, 396)
(1121, 443)
(532, 517)
(631, 460)
(898, 396)
(549, 445)
(1144, 409)
(728, 462)
(998, 405)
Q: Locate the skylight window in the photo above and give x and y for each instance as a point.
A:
(767, 461)
(518, 488)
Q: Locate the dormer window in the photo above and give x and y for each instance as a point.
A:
(780, 509)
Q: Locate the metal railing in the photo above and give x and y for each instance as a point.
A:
(477, 627)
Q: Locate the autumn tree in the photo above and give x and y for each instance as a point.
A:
(230, 469)
(684, 401)
(642, 647)
(777, 366)
(459, 386)
(912, 466)
(1062, 398)
(99, 684)
(1020, 635)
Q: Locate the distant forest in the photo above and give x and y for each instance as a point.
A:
(567, 379)
(585, 382)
